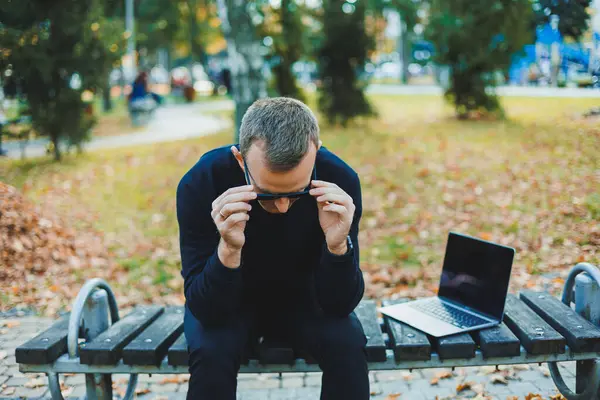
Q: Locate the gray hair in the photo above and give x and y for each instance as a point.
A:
(286, 126)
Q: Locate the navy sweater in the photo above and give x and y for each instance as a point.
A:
(285, 260)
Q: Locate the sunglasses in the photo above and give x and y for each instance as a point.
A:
(275, 196)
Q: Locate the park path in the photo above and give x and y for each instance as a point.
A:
(184, 121)
(415, 385)
(170, 123)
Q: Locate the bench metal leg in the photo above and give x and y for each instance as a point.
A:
(89, 318)
(586, 279)
(54, 386)
(587, 304)
(95, 321)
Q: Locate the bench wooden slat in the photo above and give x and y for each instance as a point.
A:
(536, 336)
(151, 345)
(498, 341)
(407, 342)
(275, 352)
(108, 346)
(46, 347)
(366, 312)
(178, 353)
(581, 334)
(460, 345)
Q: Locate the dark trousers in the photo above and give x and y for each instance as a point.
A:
(337, 344)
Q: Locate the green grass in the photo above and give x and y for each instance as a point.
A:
(530, 181)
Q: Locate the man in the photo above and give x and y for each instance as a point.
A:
(269, 248)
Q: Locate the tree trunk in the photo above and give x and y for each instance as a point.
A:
(107, 105)
(245, 59)
(404, 50)
(54, 138)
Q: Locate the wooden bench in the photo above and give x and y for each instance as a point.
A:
(537, 328)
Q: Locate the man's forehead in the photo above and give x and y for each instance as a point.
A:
(296, 179)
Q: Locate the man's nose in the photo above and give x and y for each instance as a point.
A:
(282, 204)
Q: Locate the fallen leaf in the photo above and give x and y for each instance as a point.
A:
(497, 378)
(34, 383)
(545, 371)
(534, 396)
(478, 388)
(12, 324)
(488, 369)
(142, 391)
(407, 376)
(10, 390)
(485, 235)
(3, 354)
(463, 386)
(440, 375)
(393, 396)
(444, 375)
(558, 397)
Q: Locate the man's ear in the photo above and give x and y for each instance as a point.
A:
(320, 144)
(238, 156)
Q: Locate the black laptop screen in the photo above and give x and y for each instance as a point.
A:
(476, 274)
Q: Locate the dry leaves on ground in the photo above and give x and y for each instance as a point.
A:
(558, 397)
(497, 378)
(36, 382)
(393, 396)
(461, 387)
(534, 396)
(175, 379)
(38, 246)
(441, 375)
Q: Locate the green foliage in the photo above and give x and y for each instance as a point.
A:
(285, 26)
(341, 59)
(476, 40)
(593, 205)
(49, 48)
(573, 15)
(158, 23)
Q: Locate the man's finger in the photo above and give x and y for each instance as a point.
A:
(234, 219)
(235, 198)
(233, 208)
(336, 208)
(326, 189)
(317, 183)
(237, 189)
(335, 198)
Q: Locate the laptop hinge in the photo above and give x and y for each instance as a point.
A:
(462, 306)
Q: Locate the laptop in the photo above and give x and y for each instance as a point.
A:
(472, 289)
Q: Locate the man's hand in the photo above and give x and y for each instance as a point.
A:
(336, 212)
(230, 214)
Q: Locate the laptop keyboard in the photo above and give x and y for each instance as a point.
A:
(447, 313)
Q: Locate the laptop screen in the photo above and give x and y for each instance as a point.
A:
(476, 274)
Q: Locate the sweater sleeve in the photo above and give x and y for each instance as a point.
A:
(338, 279)
(212, 291)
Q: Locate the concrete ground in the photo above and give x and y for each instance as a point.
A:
(292, 386)
(170, 123)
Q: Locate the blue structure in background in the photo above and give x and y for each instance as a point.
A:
(540, 53)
